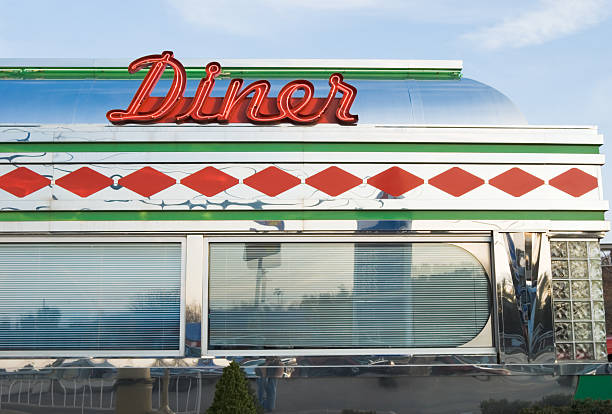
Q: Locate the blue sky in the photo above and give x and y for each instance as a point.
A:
(553, 58)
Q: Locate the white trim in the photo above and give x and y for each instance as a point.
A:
(90, 239)
(204, 334)
(301, 157)
(195, 272)
(421, 238)
(183, 316)
(243, 63)
(88, 354)
(486, 134)
(60, 228)
(351, 351)
(67, 353)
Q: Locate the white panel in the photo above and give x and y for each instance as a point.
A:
(289, 133)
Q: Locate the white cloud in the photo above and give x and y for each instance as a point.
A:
(552, 19)
(249, 16)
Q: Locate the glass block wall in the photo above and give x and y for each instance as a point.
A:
(580, 328)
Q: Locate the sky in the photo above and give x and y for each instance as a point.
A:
(551, 57)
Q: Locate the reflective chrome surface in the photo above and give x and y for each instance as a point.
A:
(461, 102)
(523, 277)
(191, 391)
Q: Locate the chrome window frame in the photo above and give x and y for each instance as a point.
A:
(424, 238)
(179, 352)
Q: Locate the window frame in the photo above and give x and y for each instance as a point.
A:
(72, 353)
(460, 239)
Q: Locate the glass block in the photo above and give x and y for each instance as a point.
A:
(579, 269)
(560, 269)
(558, 248)
(595, 269)
(593, 249)
(563, 331)
(582, 310)
(599, 312)
(565, 351)
(599, 331)
(583, 331)
(584, 351)
(596, 290)
(601, 351)
(580, 289)
(561, 289)
(577, 249)
(562, 311)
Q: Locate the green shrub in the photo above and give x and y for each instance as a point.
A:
(502, 406)
(552, 404)
(233, 394)
(576, 407)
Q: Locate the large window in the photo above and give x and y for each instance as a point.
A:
(99, 297)
(345, 295)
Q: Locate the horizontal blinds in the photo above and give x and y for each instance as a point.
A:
(344, 295)
(90, 296)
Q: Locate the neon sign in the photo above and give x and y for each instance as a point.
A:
(250, 104)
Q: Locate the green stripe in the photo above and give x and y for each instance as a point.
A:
(299, 215)
(231, 72)
(21, 147)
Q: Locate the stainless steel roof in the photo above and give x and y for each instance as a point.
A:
(391, 102)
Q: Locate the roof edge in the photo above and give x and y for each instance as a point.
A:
(244, 63)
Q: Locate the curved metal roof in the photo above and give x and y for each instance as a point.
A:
(391, 102)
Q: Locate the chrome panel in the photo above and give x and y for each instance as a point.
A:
(542, 334)
(512, 342)
(382, 102)
(96, 391)
(363, 364)
(525, 303)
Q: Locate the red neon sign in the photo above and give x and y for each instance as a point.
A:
(250, 104)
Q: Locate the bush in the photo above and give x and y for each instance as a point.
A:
(232, 393)
(503, 406)
(552, 404)
(587, 406)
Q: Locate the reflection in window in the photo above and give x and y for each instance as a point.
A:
(90, 296)
(344, 295)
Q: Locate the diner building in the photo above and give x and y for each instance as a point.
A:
(357, 234)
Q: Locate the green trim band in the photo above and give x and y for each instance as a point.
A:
(21, 147)
(232, 72)
(122, 215)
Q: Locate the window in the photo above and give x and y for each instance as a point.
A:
(345, 295)
(106, 298)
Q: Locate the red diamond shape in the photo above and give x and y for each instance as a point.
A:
(272, 181)
(84, 182)
(516, 182)
(395, 181)
(574, 182)
(22, 181)
(147, 181)
(209, 181)
(333, 181)
(456, 181)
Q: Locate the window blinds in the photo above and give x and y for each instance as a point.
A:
(90, 296)
(344, 295)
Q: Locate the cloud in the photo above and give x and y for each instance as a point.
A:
(551, 20)
(248, 16)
